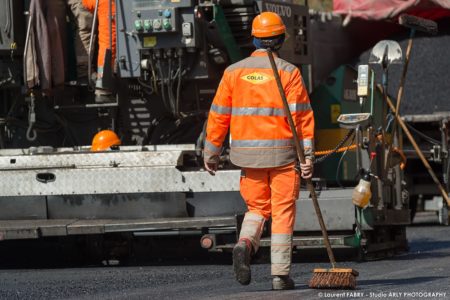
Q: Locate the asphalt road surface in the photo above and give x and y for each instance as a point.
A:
(422, 273)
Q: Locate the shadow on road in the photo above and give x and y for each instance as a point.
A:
(429, 245)
(63, 253)
(85, 251)
(425, 249)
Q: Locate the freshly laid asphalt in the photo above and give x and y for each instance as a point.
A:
(422, 273)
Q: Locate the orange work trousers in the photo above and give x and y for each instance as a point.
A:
(272, 192)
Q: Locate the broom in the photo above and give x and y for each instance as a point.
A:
(333, 278)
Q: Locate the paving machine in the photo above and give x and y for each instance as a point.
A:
(170, 58)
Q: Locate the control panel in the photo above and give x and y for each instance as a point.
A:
(144, 26)
(157, 21)
(351, 121)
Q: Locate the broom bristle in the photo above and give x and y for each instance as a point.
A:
(332, 279)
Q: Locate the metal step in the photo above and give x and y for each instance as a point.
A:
(34, 229)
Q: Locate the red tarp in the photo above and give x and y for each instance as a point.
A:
(386, 9)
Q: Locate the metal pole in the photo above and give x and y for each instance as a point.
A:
(358, 134)
(91, 42)
(445, 160)
(25, 51)
(110, 23)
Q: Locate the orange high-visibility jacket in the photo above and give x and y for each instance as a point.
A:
(248, 101)
(103, 29)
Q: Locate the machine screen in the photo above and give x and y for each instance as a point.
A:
(353, 120)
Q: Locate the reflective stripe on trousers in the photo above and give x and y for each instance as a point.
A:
(281, 253)
(252, 228)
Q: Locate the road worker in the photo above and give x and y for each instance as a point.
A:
(249, 104)
(103, 91)
(105, 140)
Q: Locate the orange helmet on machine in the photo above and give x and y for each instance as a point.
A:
(105, 139)
(267, 25)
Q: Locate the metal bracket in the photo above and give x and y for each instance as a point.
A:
(437, 153)
(31, 132)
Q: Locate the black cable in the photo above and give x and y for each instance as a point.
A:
(340, 162)
(339, 145)
(423, 135)
(200, 144)
(180, 68)
(13, 106)
(68, 133)
(22, 124)
(169, 87)
(163, 92)
(389, 119)
(145, 85)
(174, 95)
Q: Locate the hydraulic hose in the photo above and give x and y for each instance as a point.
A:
(177, 104)
(169, 86)
(161, 78)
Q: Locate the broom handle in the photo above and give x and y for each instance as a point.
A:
(301, 157)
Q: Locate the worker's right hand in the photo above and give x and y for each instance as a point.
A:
(211, 165)
(307, 169)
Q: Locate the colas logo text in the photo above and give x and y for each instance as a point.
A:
(257, 78)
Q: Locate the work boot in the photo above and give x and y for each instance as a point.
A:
(241, 261)
(283, 283)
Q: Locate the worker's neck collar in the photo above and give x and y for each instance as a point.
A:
(262, 52)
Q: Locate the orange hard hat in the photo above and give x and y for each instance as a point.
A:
(105, 139)
(267, 24)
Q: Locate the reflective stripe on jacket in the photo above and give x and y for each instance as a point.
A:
(248, 101)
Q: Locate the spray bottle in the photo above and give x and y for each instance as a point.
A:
(361, 193)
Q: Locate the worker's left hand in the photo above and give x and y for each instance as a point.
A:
(307, 169)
